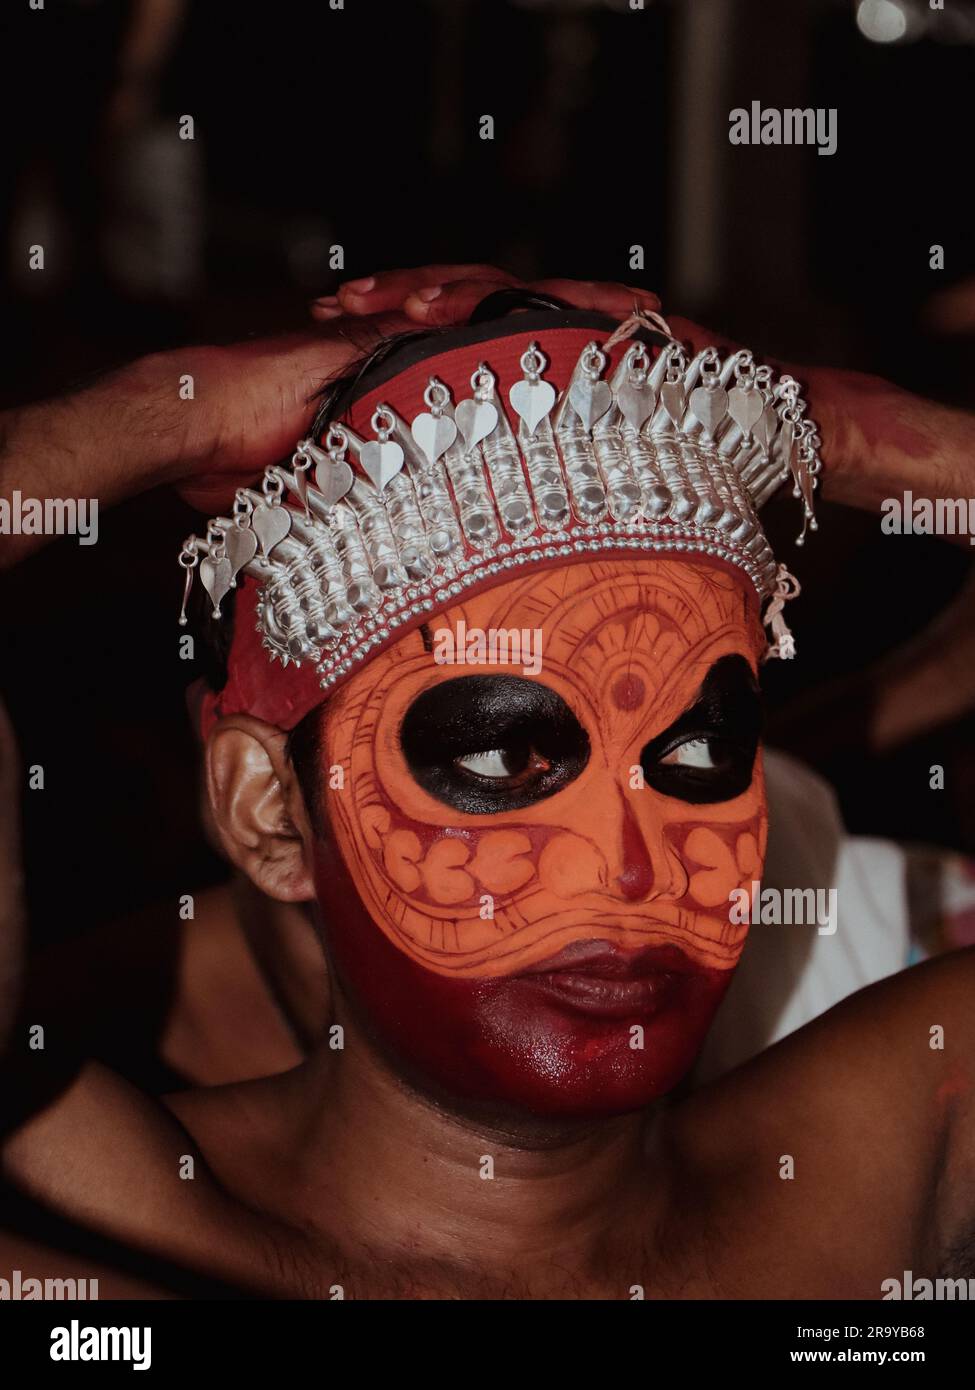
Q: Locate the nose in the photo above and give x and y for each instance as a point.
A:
(641, 863)
(636, 876)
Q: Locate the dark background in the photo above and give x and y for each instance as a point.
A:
(360, 127)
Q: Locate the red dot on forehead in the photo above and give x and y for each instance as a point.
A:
(628, 692)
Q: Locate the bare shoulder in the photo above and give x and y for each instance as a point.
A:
(909, 1038)
(901, 1048)
(104, 1155)
(99, 1136)
(873, 1103)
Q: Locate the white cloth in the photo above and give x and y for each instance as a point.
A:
(790, 974)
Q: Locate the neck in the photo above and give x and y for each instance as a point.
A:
(416, 1181)
(288, 954)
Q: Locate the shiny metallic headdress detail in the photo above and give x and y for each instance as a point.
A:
(671, 455)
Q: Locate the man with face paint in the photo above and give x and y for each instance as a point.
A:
(522, 882)
(544, 862)
(601, 813)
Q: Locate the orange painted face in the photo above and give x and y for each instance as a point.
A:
(549, 794)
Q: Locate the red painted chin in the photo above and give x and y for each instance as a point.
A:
(557, 1041)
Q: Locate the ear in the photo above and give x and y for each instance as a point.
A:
(258, 808)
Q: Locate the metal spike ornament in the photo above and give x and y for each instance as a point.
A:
(664, 454)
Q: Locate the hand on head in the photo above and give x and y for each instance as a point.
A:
(439, 295)
(138, 427)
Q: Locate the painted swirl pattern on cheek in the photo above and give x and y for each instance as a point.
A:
(637, 656)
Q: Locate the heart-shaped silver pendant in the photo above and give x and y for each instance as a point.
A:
(381, 460)
(475, 420)
(216, 576)
(673, 398)
(765, 427)
(710, 406)
(745, 407)
(433, 434)
(532, 401)
(270, 525)
(240, 544)
(636, 404)
(333, 480)
(590, 400)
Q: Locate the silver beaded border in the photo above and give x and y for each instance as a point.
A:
(414, 600)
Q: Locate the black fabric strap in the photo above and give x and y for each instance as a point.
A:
(532, 320)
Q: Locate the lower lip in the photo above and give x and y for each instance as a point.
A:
(602, 997)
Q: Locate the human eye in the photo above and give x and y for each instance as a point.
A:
(488, 744)
(513, 764)
(708, 753)
(692, 752)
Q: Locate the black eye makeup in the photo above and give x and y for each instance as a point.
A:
(708, 754)
(484, 744)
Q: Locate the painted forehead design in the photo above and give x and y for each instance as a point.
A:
(539, 446)
(623, 634)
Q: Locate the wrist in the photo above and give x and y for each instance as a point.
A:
(155, 416)
(838, 402)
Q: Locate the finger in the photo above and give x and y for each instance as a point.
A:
(697, 338)
(437, 305)
(390, 288)
(603, 295)
(326, 308)
(454, 303)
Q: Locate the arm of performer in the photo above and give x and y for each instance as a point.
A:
(137, 428)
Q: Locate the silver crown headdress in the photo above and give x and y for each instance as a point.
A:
(668, 455)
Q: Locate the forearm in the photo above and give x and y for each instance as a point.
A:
(206, 419)
(880, 441)
(109, 441)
